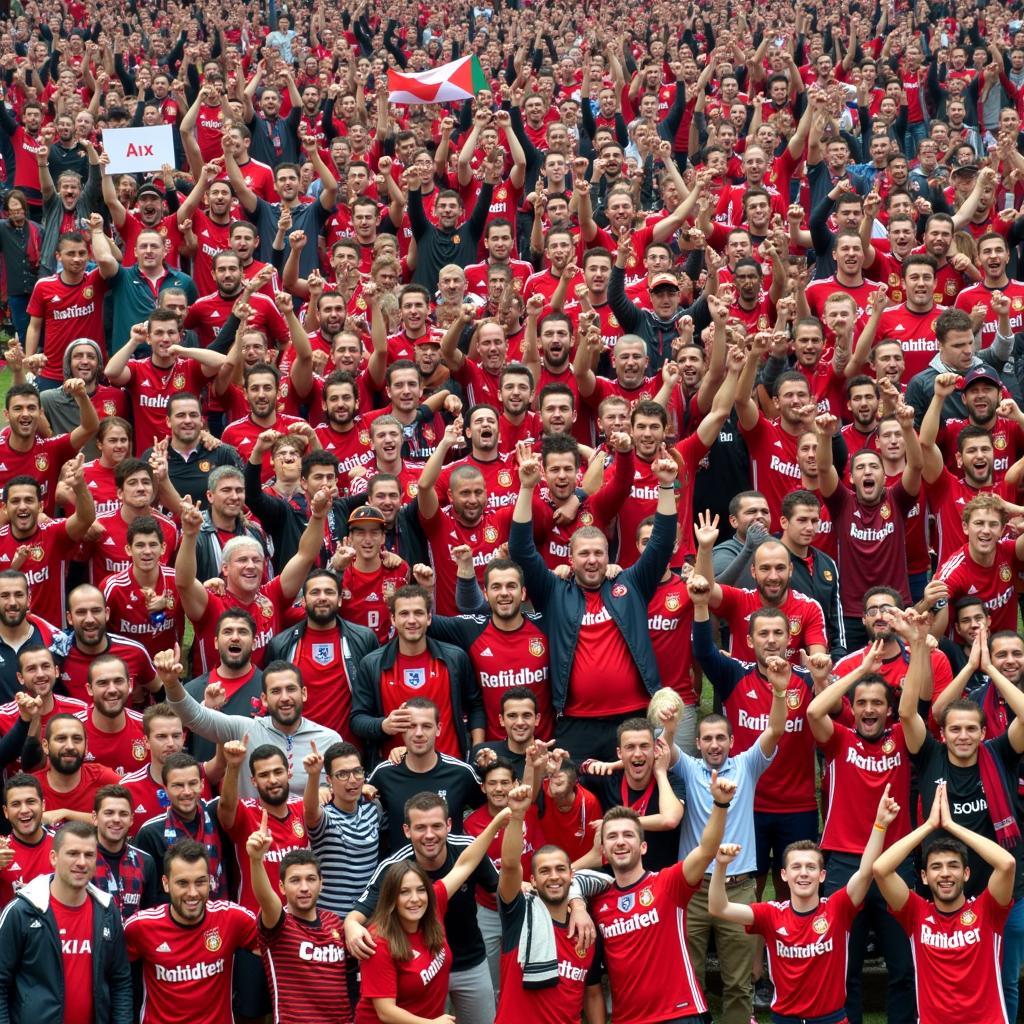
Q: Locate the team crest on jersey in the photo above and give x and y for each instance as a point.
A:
(42, 463)
(951, 287)
(389, 588)
(412, 490)
(323, 654)
(968, 917)
(283, 388)
(793, 699)
(1018, 304)
(613, 320)
(672, 602)
(36, 553)
(163, 230)
(646, 897)
(204, 466)
(109, 408)
(212, 940)
(620, 590)
(428, 435)
(794, 627)
(820, 925)
(500, 193)
(631, 261)
(490, 534)
(335, 935)
(297, 828)
(178, 381)
(266, 608)
(456, 238)
(888, 745)
(586, 519)
(414, 678)
(894, 279)
(517, 284)
(999, 442)
(505, 478)
(138, 750)
(364, 437)
(885, 512)
(536, 647)
(827, 575)
(360, 303)
(937, 296)
(762, 323)
(1004, 573)
(88, 293)
(627, 903)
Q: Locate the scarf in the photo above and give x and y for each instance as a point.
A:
(123, 877)
(33, 244)
(537, 953)
(995, 711)
(640, 803)
(997, 793)
(207, 834)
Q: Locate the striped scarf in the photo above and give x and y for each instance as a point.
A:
(207, 834)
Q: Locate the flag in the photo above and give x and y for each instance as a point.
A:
(460, 80)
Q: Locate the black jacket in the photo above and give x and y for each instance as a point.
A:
(368, 711)
(820, 582)
(32, 967)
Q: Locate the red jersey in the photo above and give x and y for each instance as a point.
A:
(186, 970)
(267, 608)
(957, 958)
(788, 784)
(305, 965)
(207, 315)
(981, 295)
(1007, 440)
(242, 435)
(857, 772)
(994, 584)
(571, 830)
(50, 550)
(287, 833)
(150, 387)
(818, 291)
(364, 597)
(68, 312)
(123, 750)
(100, 481)
(169, 231)
(501, 478)
(212, 238)
(643, 928)
(807, 953)
(774, 470)
(947, 497)
(74, 666)
(420, 675)
(30, 861)
(479, 385)
(476, 274)
(110, 549)
(806, 621)
(352, 447)
(445, 532)
(127, 614)
(92, 777)
(669, 619)
(43, 461)
(320, 656)
(533, 840)
(149, 798)
(419, 985)
(916, 334)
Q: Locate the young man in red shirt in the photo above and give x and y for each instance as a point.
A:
(806, 936)
(69, 784)
(26, 852)
(956, 940)
(113, 733)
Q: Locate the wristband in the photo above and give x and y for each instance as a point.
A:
(718, 803)
(666, 487)
(881, 828)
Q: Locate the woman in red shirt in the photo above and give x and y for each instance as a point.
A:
(405, 981)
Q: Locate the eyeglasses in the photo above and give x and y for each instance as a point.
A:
(881, 609)
(348, 773)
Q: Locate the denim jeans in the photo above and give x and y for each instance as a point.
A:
(914, 134)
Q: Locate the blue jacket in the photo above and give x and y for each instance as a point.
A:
(626, 598)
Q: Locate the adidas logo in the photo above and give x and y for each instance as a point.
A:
(752, 694)
(784, 931)
(487, 653)
(163, 948)
(898, 327)
(140, 809)
(146, 382)
(35, 924)
(973, 589)
(14, 866)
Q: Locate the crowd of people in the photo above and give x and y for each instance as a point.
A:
(486, 561)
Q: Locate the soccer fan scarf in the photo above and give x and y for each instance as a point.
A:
(997, 793)
(130, 877)
(175, 829)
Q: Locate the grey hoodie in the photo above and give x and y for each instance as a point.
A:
(61, 409)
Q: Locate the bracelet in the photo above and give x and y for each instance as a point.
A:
(666, 487)
(881, 828)
(718, 803)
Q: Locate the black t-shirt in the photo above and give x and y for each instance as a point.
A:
(501, 748)
(460, 927)
(967, 801)
(723, 472)
(662, 847)
(454, 780)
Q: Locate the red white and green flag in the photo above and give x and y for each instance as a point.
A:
(460, 80)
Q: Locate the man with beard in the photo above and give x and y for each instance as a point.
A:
(151, 206)
(862, 763)
(547, 351)
(344, 432)
(262, 383)
(639, 779)
(517, 421)
(69, 783)
(127, 874)
(985, 409)
(83, 360)
(209, 312)
(25, 853)
(496, 468)
(299, 932)
(327, 649)
(386, 441)
(44, 547)
(869, 519)
(272, 811)
(863, 398)
(113, 735)
(89, 640)
(184, 814)
(19, 629)
(421, 421)
(209, 225)
(629, 363)
(174, 942)
(956, 937)
(480, 379)
(772, 570)
(559, 250)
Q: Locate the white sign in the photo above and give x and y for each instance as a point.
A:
(134, 150)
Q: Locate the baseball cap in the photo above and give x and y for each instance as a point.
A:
(149, 189)
(664, 281)
(965, 169)
(984, 374)
(366, 515)
(427, 339)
